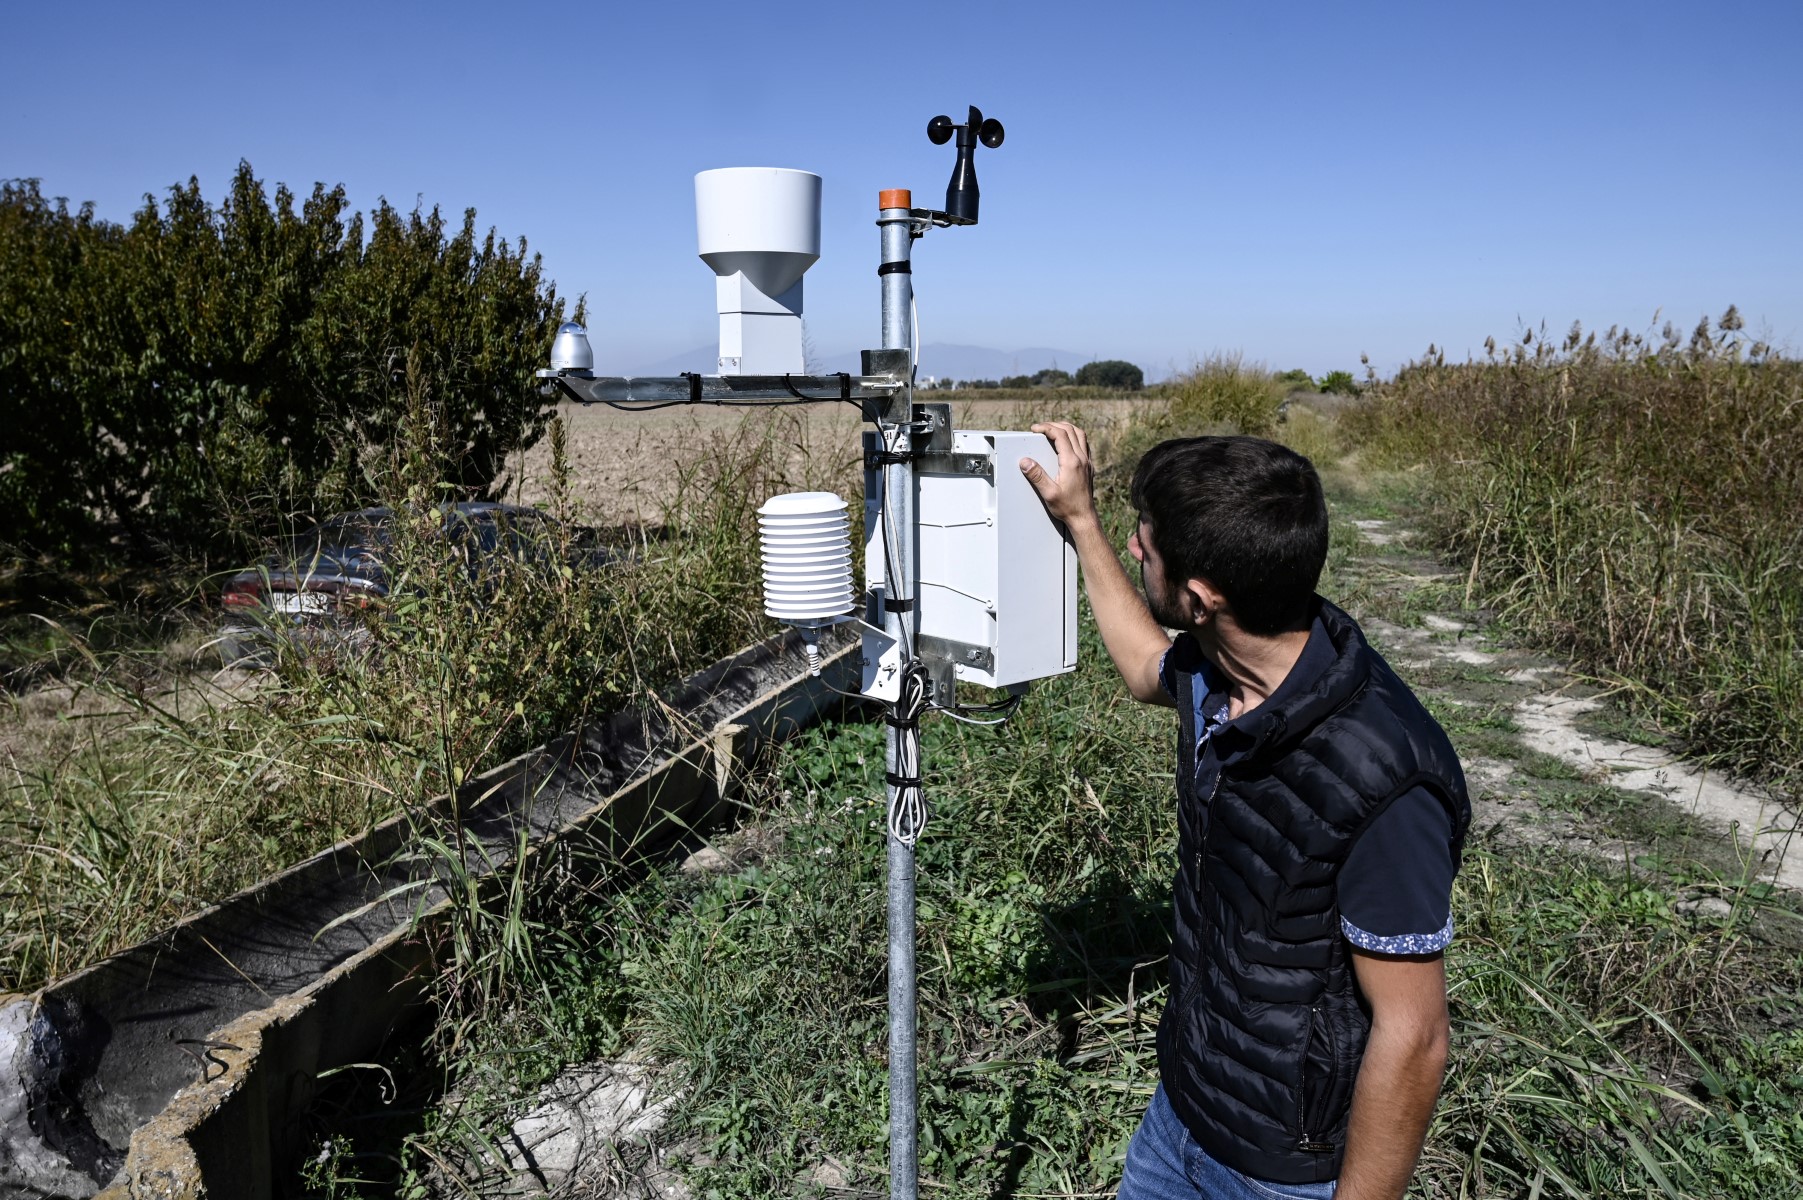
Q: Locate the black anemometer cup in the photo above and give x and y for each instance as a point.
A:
(961, 194)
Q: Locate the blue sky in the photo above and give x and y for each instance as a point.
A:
(1300, 183)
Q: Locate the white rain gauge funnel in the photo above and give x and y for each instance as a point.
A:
(806, 538)
(759, 229)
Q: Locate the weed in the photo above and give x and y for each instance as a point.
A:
(1630, 501)
(1225, 391)
(1609, 1040)
(163, 792)
(1589, 1015)
(1536, 764)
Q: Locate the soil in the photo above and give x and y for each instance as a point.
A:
(626, 466)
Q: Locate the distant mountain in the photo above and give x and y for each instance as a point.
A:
(701, 359)
(940, 359)
(945, 360)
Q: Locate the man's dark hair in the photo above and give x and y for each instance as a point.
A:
(1243, 513)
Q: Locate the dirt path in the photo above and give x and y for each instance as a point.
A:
(1548, 758)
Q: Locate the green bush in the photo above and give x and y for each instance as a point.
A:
(1111, 373)
(1225, 392)
(1340, 382)
(182, 380)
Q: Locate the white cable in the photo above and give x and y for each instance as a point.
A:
(970, 720)
(907, 803)
(958, 716)
(908, 811)
(914, 332)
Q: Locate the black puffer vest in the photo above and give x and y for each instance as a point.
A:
(1261, 1043)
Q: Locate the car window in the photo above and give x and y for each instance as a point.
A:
(360, 531)
(531, 536)
(480, 532)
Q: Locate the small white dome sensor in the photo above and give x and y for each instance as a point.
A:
(571, 351)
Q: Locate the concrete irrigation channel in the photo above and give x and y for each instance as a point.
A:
(181, 1067)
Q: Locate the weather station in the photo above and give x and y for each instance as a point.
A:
(967, 578)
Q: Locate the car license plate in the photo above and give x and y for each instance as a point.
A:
(299, 603)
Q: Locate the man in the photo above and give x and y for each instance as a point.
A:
(1321, 814)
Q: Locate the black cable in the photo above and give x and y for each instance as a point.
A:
(890, 575)
(652, 405)
(998, 706)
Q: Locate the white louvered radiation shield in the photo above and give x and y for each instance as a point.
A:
(806, 544)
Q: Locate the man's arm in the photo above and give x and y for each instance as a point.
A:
(1399, 1078)
(1135, 641)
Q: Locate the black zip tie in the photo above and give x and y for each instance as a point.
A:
(901, 781)
(896, 268)
(897, 606)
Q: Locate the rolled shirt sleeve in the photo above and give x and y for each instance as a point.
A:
(1395, 890)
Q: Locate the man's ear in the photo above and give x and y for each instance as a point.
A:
(1206, 600)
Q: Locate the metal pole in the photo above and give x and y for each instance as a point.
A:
(896, 224)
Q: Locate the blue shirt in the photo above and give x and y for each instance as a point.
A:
(1395, 888)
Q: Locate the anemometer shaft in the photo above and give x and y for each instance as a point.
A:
(897, 225)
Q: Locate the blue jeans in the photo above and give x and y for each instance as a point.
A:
(1164, 1163)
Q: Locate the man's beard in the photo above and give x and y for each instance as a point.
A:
(1162, 610)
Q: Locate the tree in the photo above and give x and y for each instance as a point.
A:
(1341, 382)
(1111, 373)
(1051, 377)
(165, 377)
(49, 442)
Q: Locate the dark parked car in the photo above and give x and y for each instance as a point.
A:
(306, 592)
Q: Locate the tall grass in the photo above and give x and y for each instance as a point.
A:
(175, 789)
(1634, 502)
(1607, 1042)
(1225, 394)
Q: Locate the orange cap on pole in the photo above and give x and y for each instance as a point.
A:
(895, 198)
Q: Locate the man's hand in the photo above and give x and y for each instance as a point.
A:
(1070, 497)
(1399, 1077)
(1134, 640)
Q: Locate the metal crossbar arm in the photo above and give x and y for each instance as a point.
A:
(649, 391)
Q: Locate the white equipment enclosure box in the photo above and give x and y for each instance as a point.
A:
(998, 582)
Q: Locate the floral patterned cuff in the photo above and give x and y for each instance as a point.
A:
(1402, 943)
